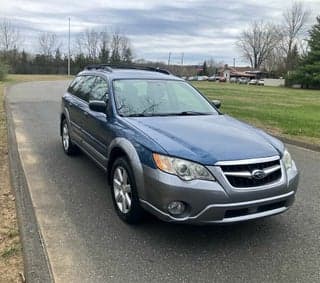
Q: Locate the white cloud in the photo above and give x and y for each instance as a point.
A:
(199, 28)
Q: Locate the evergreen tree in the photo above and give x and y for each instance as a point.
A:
(115, 57)
(104, 54)
(204, 71)
(205, 68)
(308, 75)
(24, 65)
(127, 55)
(79, 63)
(58, 62)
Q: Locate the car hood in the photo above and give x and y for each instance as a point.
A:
(207, 139)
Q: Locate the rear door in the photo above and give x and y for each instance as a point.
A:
(78, 105)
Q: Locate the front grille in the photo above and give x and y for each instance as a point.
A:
(240, 176)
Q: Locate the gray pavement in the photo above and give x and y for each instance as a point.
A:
(86, 242)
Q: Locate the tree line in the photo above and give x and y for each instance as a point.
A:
(285, 49)
(90, 47)
(276, 47)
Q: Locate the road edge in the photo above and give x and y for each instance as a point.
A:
(301, 144)
(37, 267)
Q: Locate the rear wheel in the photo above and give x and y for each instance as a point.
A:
(124, 193)
(68, 146)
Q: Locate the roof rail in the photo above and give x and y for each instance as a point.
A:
(156, 69)
(99, 66)
(110, 68)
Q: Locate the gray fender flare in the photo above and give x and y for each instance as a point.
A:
(134, 160)
(67, 115)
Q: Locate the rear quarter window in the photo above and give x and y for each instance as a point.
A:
(75, 85)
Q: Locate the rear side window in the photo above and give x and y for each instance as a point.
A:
(87, 83)
(75, 85)
(81, 86)
(99, 90)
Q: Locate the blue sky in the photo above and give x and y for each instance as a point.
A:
(199, 29)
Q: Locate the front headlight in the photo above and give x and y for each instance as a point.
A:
(287, 160)
(184, 169)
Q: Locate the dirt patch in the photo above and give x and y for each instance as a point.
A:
(11, 260)
(11, 263)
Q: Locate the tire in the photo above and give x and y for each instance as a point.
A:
(68, 146)
(124, 192)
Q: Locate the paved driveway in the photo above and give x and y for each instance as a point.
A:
(86, 242)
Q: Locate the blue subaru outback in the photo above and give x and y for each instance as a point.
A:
(167, 150)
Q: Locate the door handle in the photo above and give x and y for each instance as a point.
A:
(85, 113)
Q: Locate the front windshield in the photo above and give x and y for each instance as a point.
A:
(159, 97)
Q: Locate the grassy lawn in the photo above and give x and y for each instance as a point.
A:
(291, 113)
(11, 263)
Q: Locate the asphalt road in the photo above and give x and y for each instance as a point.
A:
(86, 242)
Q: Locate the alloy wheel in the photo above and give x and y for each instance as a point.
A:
(122, 189)
(65, 137)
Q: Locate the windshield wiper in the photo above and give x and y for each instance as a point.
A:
(191, 113)
(183, 113)
(137, 115)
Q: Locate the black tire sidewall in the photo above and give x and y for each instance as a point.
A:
(72, 148)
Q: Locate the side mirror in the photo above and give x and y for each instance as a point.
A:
(216, 103)
(98, 106)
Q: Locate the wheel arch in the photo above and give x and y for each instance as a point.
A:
(123, 147)
(64, 116)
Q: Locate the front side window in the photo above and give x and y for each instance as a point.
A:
(159, 97)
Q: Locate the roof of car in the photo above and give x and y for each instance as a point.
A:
(129, 72)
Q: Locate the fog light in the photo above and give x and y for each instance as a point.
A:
(176, 207)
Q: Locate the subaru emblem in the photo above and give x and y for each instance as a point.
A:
(258, 174)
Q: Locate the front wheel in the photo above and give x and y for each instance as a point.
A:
(124, 193)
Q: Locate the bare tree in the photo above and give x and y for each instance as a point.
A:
(9, 36)
(116, 48)
(92, 43)
(99, 47)
(125, 48)
(48, 43)
(104, 51)
(91, 39)
(295, 19)
(258, 42)
(275, 61)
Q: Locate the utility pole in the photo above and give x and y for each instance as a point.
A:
(182, 57)
(169, 58)
(234, 62)
(69, 49)
(181, 68)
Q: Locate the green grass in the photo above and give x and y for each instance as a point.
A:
(293, 113)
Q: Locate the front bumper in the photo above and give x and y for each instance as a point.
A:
(216, 202)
